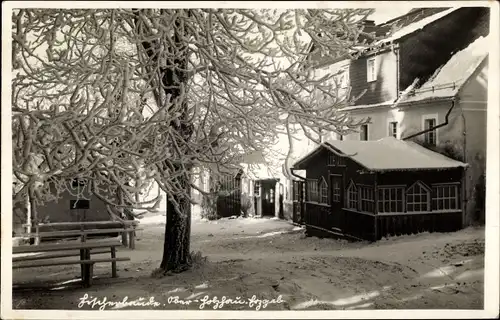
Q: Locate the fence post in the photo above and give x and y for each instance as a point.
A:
(37, 232)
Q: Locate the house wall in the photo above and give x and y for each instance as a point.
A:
(383, 88)
(61, 211)
(464, 138)
(378, 127)
(412, 122)
(473, 104)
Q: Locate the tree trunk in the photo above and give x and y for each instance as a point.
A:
(176, 253)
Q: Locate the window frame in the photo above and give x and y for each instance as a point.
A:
(256, 188)
(371, 76)
(336, 193)
(350, 201)
(312, 183)
(435, 198)
(425, 119)
(428, 194)
(366, 200)
(332, 159)
(323, 187)
(393, 131)
(364, 126)
(382, 200)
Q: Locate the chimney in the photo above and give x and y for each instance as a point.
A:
(369, 27)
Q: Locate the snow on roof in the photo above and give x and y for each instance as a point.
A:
(418, 25)
(391, 154)
(449, 78)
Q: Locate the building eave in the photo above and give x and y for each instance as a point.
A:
(417, 103)
(418, 169)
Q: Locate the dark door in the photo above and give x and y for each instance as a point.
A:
(336, 199)
(229, 204)
(268, 198)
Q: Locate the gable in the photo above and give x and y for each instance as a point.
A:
(476, 88)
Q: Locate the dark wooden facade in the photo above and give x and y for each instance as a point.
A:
(385, 203)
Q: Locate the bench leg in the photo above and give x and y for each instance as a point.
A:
(113, 263)
(132, 240)
(87, 267)
(124, 239)
(90, 274)
(82, 266)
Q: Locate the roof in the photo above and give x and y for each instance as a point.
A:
(447, 80)
(405, 25)
(389, 154)
(416, 26)
(412, 16)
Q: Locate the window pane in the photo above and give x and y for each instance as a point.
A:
(393, 206)
(393, 193)
(417, 198)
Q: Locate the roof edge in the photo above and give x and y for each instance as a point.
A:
(407, 104)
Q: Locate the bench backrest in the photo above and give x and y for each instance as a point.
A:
(65, 246)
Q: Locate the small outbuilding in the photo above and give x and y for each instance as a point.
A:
(367, 190)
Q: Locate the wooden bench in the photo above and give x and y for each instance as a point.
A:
(129, 227)
(85, 260)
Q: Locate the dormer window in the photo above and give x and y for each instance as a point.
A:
(371, 70)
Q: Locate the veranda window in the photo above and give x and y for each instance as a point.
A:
(323, 191)
(331, 159)
(390, 199)
(336, 189)
(445, 197)
(352, 196)
(312, 190)
(366, 199)
(418, 198)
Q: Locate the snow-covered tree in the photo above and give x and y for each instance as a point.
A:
(120, 97)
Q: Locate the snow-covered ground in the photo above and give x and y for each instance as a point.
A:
(269, 257)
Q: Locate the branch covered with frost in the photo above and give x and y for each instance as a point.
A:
(120, 98)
